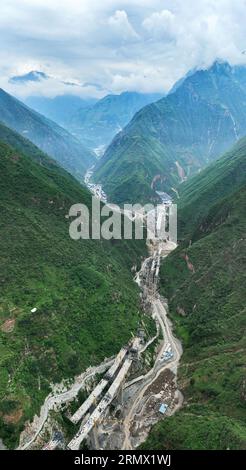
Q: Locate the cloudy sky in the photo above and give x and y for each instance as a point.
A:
(92, 47)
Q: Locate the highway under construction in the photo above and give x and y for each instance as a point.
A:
(135, 396)
(118, 373)
(140, 398)
(94, 412)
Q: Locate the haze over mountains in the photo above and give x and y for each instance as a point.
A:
(86, 302)
(46, 134)
(98, 124)
(68, 127)
(93, 122)
(169, 140)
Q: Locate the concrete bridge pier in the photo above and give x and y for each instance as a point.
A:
(94, 437)
(120, 393)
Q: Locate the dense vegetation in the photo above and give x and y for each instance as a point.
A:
(48, 136)
(170, 140)
(60, 108)
(87, 303)
(204, 280)
(217, 181)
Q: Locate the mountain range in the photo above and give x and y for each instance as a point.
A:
(60, 109)
(46, 134)
(32, 76)
(170, 140)
(64, 304)
(97, 125)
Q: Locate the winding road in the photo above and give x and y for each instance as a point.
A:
(147, 279)
(160, 314)
(54, 400)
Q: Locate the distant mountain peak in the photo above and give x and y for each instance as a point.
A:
(221, 66)
(32, 76)
(199, 120)
(218, 66)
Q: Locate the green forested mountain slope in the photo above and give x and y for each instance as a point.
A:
(23, 145)
(215, 182)
(171, 139)
(204, 280)
(48, 136)
(60, 108)
(87, 303)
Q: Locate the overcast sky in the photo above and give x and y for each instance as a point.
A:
(114, 45)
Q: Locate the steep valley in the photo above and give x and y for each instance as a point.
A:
(204, 281)
(65, 304)
(176, 136)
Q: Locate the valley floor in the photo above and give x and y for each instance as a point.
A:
(126, 424)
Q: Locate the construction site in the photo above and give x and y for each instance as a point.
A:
(133, 392)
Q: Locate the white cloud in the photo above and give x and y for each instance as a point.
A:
(161, 25)
(118, 44)
(121, 27)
